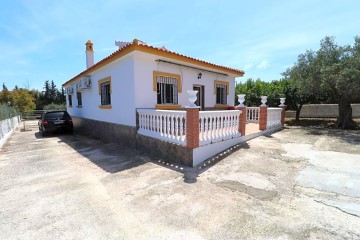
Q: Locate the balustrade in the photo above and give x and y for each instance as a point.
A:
(252, 114)
(216, 126)
(163, 124)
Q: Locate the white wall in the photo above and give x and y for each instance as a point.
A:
(132, 87)
(145, 64)
(122, 96)
(7, 127)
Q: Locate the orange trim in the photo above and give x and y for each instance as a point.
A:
(105, 106)
(167, 106)
(222, 106)
(107, 79)
(136, 46)
(172, 75)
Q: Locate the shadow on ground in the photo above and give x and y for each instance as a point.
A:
(321, 127)
(114, 158)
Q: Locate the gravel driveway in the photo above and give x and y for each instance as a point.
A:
(299, 183)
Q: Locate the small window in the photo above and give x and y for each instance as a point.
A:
(105, 93)
(221, 90)
(221, 94)
(79, 98)
(167, 90)
(70, 100)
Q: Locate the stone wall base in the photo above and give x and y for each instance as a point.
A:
(105, 131)
(169, 152)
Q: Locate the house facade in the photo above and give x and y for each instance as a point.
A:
(103, 99)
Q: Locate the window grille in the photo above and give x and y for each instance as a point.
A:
(221, 94)
(167, 90)
(70, 100)
(79, 98)
(105, 93)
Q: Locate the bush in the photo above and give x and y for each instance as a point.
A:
(54, 106)
(7, 112)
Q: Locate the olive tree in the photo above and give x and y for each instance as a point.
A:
(332, 71)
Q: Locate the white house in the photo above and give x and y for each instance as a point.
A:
(103, 99)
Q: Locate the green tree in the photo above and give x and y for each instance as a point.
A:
(330, 74)
(22, 100)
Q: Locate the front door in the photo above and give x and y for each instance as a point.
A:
(200, 96)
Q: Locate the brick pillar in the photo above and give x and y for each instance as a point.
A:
(242, 120)
(192, 127)
(283, 114)
(263, 118)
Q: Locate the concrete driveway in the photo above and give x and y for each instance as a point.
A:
(300, 183)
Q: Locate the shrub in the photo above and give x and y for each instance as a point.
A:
(54, 106)
(7, 112)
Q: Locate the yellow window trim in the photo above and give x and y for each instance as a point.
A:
(216, 82)
(167, 106)
(105, 106)
(107, 79)
(221, 105)
(164, 74)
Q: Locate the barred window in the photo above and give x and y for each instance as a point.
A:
(70, 100)
(221, 94)
(167, 90)
(105, 93)
(79, 98)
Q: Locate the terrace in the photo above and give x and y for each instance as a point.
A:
(203, 134)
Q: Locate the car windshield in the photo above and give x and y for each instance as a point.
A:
(55, 115)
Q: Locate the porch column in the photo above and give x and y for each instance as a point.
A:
(242, 120)
(283, 113)
(263, 118)
(192, 127)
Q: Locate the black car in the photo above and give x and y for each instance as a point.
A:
(54, 121)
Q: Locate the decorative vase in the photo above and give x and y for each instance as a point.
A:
(192, 97)
(263, 100)
(241, 99)
(282, 101)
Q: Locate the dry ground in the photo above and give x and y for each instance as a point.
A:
(299, 183)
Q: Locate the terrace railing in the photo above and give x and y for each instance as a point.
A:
(216, 126)
(273, 118)
(163, 124)
(252, 114)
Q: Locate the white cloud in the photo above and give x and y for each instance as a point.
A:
(263, 65)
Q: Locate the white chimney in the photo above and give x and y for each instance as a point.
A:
(89, 54)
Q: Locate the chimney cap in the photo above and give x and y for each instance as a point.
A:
(89, 46)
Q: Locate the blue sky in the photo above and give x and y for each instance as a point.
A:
(44, 40)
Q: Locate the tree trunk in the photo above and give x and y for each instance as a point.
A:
(345, 120)
(298, 110)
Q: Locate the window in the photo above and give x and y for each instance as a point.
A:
(167, 92)
(221, 91)
(79, 98)
(167, 86)
(105, 92)
(70, 100)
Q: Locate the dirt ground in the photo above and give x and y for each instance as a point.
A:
(299, 183)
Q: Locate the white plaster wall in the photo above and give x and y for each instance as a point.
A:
(122, 96)
(145, 64)
(7, 127)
